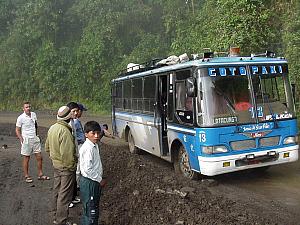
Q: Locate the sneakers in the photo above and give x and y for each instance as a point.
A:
(70, 223)
(67, 223)
(76, 200)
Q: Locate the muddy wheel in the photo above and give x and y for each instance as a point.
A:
(132, 148)
(182, 165)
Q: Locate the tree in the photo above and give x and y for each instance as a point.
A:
(223, 23)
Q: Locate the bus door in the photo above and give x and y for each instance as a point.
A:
(181, 113)
(161, 115)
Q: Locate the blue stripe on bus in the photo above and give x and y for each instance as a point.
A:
(194, 139)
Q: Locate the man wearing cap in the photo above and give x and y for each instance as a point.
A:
(78, 132)
(60, 145)
(78, 126)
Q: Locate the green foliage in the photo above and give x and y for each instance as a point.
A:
(53, 52)
(291, 38)
(223, 23)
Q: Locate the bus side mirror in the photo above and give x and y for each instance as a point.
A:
(191, 88)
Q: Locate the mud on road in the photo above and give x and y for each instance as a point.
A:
(142, 189)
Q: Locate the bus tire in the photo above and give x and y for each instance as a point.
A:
(182, 165)
(131, 144)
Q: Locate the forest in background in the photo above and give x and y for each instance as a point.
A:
(52, 52)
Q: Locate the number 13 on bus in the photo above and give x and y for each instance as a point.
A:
(209, 115)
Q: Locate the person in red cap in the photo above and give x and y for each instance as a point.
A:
(242, 103)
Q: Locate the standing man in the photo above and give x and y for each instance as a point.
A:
(80, 138)
(78, 125)
(91, 180)
(74, 107)
(60, 145)
(26, 131)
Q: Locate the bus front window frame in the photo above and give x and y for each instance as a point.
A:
(212, 98)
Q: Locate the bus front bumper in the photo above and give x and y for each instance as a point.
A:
(211, 166)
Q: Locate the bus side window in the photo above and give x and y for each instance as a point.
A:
(189, 104)
(137, 94)
(180, 95)
(149, 94)
(184, 104)
(127, 94)
(118, 96)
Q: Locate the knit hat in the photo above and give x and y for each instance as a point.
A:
(64, 113)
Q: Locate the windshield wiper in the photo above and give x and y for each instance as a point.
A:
(271, 111)
(229, 104)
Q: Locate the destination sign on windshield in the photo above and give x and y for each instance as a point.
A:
(241, 70)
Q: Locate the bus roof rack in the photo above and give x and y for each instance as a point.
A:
(134, 68)
(266, 54)
(153, 63)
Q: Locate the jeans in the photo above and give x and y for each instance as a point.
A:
(88, 189)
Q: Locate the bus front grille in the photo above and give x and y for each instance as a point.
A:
(243, 145)
(248, 144)
(269, 141)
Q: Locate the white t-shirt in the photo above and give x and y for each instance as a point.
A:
(90, 161)
(27, 125)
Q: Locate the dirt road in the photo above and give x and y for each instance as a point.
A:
(143, 189)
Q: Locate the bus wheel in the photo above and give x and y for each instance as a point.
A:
(131, 144)
(182, 165)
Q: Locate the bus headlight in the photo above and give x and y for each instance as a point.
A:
(214, 149)
(290, 140)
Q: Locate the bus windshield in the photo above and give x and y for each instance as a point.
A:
(229, 100)
(273, 97)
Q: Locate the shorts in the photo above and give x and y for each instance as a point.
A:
(31, 146)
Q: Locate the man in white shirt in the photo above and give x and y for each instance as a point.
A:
(26, 131)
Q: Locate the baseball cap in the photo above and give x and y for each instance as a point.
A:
(81, 107)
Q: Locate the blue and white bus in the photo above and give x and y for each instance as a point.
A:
(210, 115)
